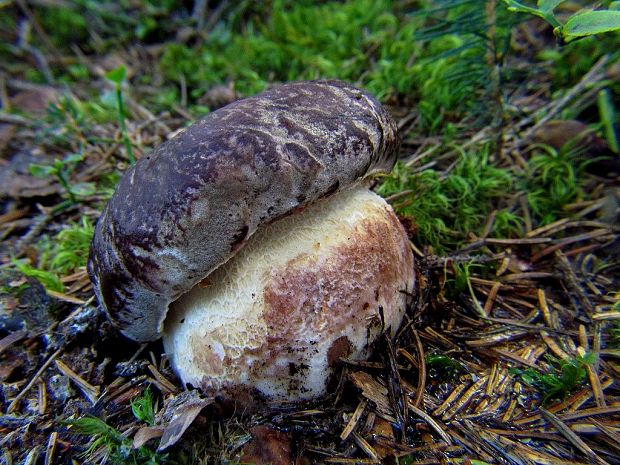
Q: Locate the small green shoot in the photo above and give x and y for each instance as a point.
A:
(552, 182)
(143, 408)
(61, 255)
(62, 170)
(113, 445)
(71, 246)
(608, 117)
(49, 279)
(615, 326)
(103, 435)
(109, 445)
(117, 76)
(583, 23)
(461, 282)
(563, 377)
(443, 368)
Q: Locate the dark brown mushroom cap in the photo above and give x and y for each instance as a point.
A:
(190, 204)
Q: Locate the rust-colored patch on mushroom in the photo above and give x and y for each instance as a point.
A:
(328, 297)
(340, 348)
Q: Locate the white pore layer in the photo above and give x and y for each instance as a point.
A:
(221, 333)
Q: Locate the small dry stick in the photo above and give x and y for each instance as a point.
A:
(544, 308)
(595, 381)
(51, 448)
(367, 448)
(573, 282)
(448, 401)
(353, 421)
(434, 424)
(551, 110)
(419, 395)
(488, 305)
(162, 380)
(571, 436)
(92, 392)
(42, 397)
(473, 390)
(15, 402)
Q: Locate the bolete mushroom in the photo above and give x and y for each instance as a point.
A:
(255, 227)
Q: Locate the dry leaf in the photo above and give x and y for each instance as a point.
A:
(34, 101)
(267, 446)
(178, 414)
(145, 434)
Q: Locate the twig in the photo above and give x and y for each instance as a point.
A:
(11, 339)
(42, 397)
(553, 108)
(92, 392)
(396, 395)
(354, 420)
(51, 448)
(434, 424)
(419, 395)
(571, 436)
(164, 383)
(15, 119)
(573, 282)
(570, 240)
(23, 392)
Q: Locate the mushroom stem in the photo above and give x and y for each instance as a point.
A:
(305, 291)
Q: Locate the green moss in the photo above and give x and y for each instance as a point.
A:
(302, 41)
(70, 247)
(442, 368)
(143, 407)
(62, 255)
(575, 59)
(560, 379)
(49, 279)
(66, 26)
(554, 180)
(446, 209)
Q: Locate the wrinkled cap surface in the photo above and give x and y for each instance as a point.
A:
(192, 203)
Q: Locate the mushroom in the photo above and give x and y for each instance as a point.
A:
(255, 226)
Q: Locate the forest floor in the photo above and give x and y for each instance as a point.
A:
(507, 184)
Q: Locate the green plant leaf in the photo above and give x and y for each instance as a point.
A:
(590, 22)
(608, 117)
(40, 171)
(142, 407)
(548, 5)
(57, 166)
(47, 278)
(73, 158)
(91, 426)
(517, 7)
(83, 189)
(116, 75)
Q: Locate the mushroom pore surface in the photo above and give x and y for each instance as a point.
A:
(305, 291)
